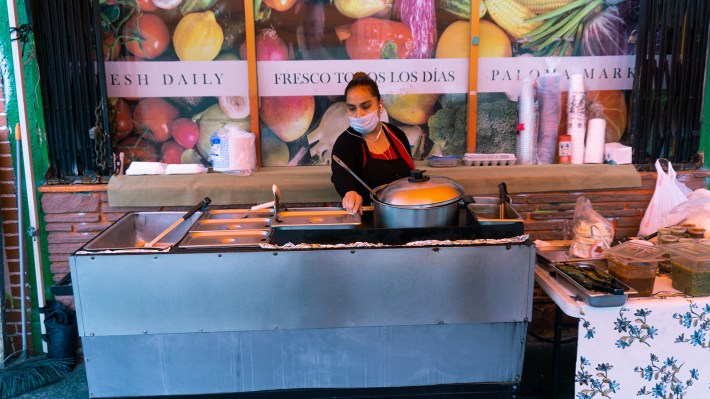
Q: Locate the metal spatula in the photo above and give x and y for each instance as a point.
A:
(201, 206)
(256, 208)
(277, 202)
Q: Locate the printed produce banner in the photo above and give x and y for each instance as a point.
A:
(176, 70)
(162, 79)
(329, 77)
(174, 75)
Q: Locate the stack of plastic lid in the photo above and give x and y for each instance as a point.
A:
(443, 161)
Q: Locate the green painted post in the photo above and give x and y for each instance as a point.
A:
(705, 127)
(37, 136)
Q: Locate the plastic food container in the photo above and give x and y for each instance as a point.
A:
(679, 231)
(636, 265)
(690, 267)
(696, 232)
(443, 161)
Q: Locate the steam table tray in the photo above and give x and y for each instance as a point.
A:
(556, 258)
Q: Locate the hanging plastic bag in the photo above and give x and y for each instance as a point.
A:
(666, 196)
(593, 234)
(683, 188)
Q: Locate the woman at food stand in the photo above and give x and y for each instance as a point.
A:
(376, 151)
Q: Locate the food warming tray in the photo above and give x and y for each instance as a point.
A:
(224, 239)
(137, 228)
(593, 297)
(492, 210)
(247, 223)
(560, 253)
(292, 218)
(316, 218)
(553, 256)
(238, 213)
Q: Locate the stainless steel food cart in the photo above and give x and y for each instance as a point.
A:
(184, 321)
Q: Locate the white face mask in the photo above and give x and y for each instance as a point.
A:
(365, 124)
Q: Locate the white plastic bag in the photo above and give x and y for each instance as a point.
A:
(683, 188)
(666, 197)
(593, 234)
(696, 210)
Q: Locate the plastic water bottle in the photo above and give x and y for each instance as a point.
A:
(219, 151)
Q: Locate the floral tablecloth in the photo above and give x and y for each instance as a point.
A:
(655, 347)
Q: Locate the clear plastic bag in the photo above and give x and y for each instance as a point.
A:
(694, 211)
(593, 234)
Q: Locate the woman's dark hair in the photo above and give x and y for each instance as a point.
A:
(360, 79)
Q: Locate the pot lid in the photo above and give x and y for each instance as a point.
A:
(420, 189)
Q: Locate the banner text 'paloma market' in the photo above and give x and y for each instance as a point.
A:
(589, 74)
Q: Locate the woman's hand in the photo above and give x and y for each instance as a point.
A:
(352, 202)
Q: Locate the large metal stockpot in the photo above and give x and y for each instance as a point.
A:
(417, 201)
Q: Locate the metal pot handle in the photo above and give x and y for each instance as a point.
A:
(418, 176)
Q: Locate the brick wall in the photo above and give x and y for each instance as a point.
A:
(548, 215)
(10, 255)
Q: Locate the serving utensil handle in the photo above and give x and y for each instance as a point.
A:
(341, 163)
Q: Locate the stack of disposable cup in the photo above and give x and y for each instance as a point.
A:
(594, 150)
(548, 93)
(576, 116)
(526, 145)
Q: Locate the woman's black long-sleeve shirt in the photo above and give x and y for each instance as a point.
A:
(352, 149)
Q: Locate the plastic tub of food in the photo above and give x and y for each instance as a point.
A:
(636, 265)
(690, 267)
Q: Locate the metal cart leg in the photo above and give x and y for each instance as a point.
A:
(556, 348)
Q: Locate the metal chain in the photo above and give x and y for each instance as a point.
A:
(97, 133)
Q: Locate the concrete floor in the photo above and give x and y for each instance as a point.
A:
(536, 382)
